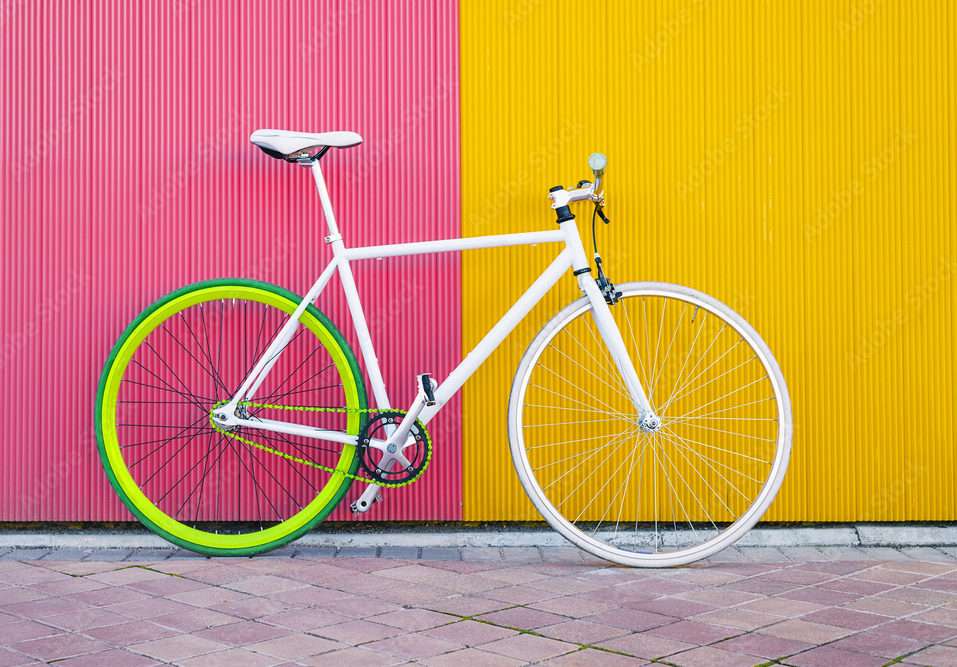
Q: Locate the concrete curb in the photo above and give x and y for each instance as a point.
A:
(866, 535)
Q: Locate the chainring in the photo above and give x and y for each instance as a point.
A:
(380, 465)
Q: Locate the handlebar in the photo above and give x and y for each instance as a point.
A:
(585, 191)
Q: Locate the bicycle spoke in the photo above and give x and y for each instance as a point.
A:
(574, 400)
(638, 353)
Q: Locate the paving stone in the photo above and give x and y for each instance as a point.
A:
(109, 555)
(529, 648)
(194, 619)
(470, 633)
(85, 619)
(740, 619)
(928, 632)
(707, 656)
(287, 551)
(803, 554)
(234, 657)
(481, 554)
(466, 605)
(146, 555)
(729, 555)
(399, 553)
(134, 632)
(185, 554)
(110, 658)
(522, 554)
(932, 554)
(589, 657)
(22, 630)
(355, 657)
(805, 631)
(829, 656)
(877, 643)
(304, 619)
(26, 554)
(817, 595)
(356, 632)
(846, 618)
(562, 555)
(243, 633)
(935, 656)
(763, 646)
(634, 620)
(473, 658)
(949, 550)
(412, 620)
(357, 552)
(574, 606)
(265, 584)
(69, 554)
(10, 658)
(522, 618)
(692, 632)
(413, 647)
(177, 648)
(521, 594)
(582, 632)
(58, 647)
(763, 554)
(295, 646)
(441, 553)
(884, 553)
(315, 552)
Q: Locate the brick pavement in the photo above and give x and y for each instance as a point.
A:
(802, 607)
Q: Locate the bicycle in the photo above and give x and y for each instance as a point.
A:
(649, 424)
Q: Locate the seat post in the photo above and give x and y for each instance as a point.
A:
(327, 211)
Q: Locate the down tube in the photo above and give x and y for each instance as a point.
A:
(498, 333)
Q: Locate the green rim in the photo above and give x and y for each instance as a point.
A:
(146, 512)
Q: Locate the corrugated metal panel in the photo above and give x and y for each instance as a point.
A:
(796, 160)
(129, 173)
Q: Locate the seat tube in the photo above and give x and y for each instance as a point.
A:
(351, 292)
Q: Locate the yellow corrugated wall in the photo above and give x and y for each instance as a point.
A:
(797, 160)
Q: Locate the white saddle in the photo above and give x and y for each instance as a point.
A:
(295, 146)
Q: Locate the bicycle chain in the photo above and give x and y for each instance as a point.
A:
(313, 464)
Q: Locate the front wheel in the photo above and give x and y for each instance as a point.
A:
(651, 498)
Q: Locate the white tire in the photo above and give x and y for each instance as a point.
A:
(687, 544)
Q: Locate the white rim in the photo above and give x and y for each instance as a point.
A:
(724, 538)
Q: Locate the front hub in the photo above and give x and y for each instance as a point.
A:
(650, 423)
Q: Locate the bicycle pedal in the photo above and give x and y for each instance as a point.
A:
(428, 388)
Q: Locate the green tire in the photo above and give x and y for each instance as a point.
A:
(145, 509)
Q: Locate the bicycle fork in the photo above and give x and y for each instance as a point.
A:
(646, 419)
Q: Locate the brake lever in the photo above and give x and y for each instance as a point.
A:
(601, 213)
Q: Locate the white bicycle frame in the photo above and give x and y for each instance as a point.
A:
(571, 257)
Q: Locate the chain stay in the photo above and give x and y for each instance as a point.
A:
(313, 464)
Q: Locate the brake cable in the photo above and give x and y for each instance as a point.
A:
(608, 289)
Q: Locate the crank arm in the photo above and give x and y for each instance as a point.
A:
(425, 396)
(363, 503)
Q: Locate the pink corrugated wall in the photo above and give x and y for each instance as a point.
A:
(127, 172)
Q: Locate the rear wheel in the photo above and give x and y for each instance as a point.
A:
(662, 498)
(184, 479)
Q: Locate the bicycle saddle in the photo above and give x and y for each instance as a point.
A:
(293, 146)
